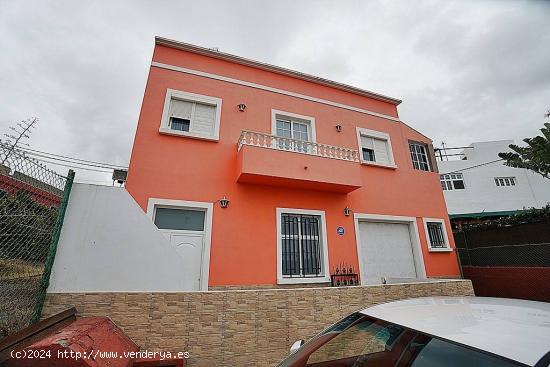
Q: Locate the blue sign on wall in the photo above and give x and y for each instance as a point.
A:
(340, 231)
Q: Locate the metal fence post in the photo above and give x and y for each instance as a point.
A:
(41, 296)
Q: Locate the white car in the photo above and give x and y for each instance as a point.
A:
(431, 332)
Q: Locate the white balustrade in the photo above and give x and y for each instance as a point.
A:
(263, 140)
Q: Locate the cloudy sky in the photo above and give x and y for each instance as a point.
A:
(466, 70)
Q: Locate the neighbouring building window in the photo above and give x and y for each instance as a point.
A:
(191, 115)
(296, 131)
(436, 235)
(301, 248)
(419, 156)
(452, 181)
(375, 147)
(505, 181)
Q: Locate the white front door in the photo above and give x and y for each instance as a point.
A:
(184, 227)
(386, 252)
(190, 247)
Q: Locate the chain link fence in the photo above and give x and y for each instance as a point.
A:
(32, 205)
(507, 261)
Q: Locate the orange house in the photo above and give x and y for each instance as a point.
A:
(264, 176)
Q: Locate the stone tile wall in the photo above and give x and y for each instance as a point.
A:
(237, 327)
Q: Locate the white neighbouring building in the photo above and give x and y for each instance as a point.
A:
(475, 188)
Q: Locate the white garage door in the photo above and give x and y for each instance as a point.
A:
(386, 251)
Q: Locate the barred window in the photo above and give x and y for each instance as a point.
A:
(436, 235)
(452, 181)
(301, 246)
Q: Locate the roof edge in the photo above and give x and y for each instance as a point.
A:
(272, 68)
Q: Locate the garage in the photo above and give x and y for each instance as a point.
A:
(387, 250)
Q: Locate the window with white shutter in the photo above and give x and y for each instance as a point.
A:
(375, 148)
(191, 115)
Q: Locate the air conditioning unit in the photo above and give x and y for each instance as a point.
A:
(120, 175)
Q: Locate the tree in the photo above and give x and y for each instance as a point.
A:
(535, 156)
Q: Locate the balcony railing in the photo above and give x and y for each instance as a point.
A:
(263, 140)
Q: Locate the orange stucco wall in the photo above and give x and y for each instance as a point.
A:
(243, 250)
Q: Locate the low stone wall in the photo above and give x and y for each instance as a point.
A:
(237, 328)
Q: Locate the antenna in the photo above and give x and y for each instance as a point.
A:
(444, 151)
(21, 131)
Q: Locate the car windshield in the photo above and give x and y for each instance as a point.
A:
(361, 341)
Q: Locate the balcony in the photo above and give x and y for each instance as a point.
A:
(276, 161)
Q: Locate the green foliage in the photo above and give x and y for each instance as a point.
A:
(535, 156)
(26, 227)
(530, 215)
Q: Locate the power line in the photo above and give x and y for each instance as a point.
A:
(69, 161)
(467, 168)
(69, 166)
(84, 161)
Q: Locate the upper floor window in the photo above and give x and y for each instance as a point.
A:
(452, 181)
(505, 181)
(192, 115)
(420, 156)
(295, 131)
(375, 148)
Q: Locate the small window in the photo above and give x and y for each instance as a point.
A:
(179, 124)
(191, 115)
(368, 155)
(375, 147)
(437, 238)
(452, 181)
(179, 219)
(419, 156)
(505, 181)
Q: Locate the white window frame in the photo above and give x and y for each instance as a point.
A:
(413, 231)
(428, 157)
(190, 97)
(451, 181)
(208, 207)
(376, 135)
(312, 134)
(512, 179)
(324, 246)
(447, 247)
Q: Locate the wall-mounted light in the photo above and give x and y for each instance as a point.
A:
(347, 211)
(241, 107)
(224, 202)
(339, 128)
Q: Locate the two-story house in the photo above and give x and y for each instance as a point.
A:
(264, 176)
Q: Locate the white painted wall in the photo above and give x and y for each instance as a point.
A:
(482, 194)
(108, 244)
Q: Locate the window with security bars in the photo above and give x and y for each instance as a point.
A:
(436, 235)
(505, 181)
(301, 246)
(419, 156)
(452, 181)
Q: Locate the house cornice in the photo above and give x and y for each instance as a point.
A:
(272, 68)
